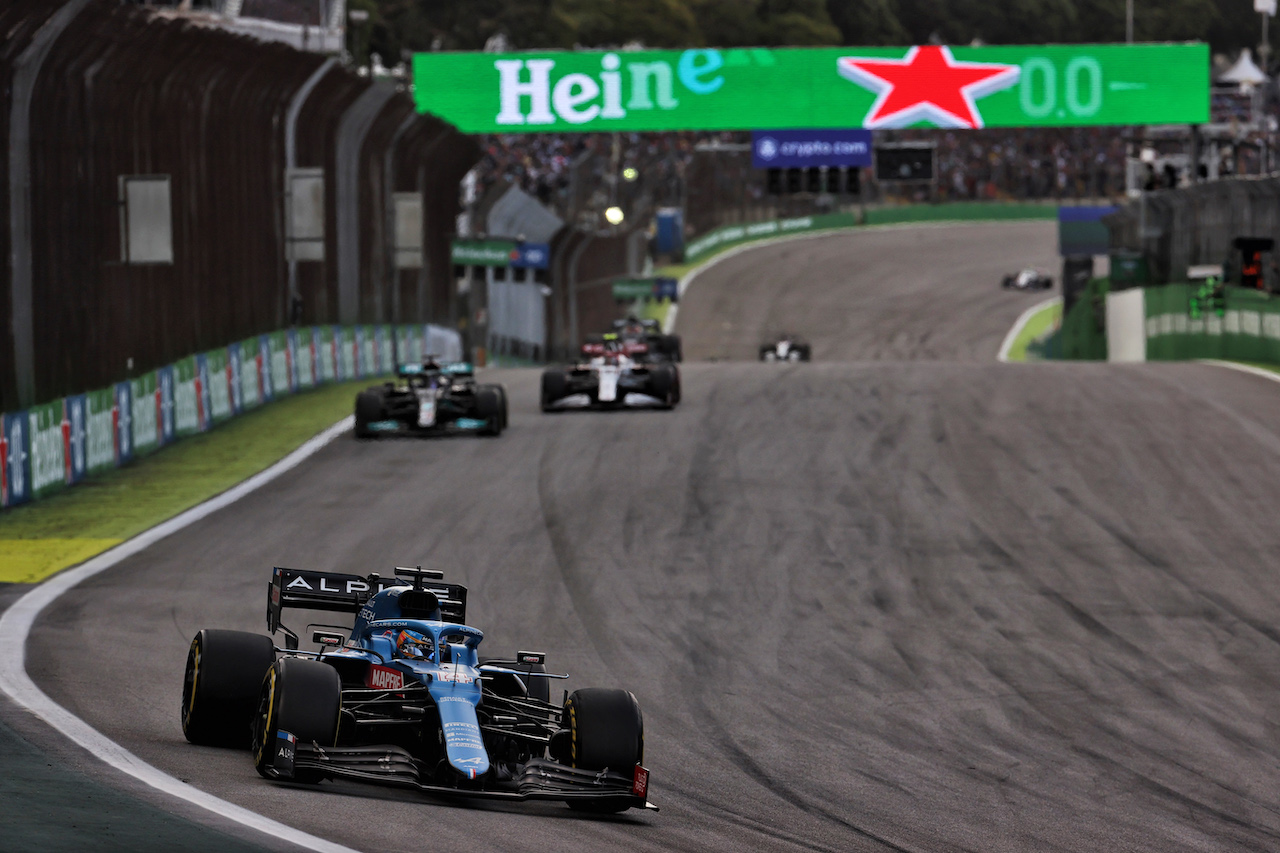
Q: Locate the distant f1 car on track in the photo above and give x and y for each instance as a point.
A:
(405, 700)
(431, 399)
(643, 340)
(1028, 279)
(786, 348)
(606, 377)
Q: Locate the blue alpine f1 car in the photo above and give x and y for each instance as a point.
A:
(403, 698)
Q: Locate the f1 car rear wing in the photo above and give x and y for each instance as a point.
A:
(342, 593)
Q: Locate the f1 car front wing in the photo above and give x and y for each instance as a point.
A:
(540, 779)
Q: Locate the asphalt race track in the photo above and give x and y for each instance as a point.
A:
(897, 294)
(901, 598)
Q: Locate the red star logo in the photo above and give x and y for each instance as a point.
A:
(928, 84)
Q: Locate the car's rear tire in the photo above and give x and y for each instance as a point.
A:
(369, 409)
(220, 686)
(489, 407)
(554, 387)
(502, 396)
(672, 347)
(606, 730)
(302, 698)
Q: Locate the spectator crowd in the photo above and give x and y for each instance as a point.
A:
(571, 173)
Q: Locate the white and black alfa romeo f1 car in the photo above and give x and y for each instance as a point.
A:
(1027, 279)
(785, 348)
(403, 698)
(608, 377)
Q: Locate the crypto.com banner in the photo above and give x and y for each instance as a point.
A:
(757, 88)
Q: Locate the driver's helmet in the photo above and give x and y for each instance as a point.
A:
(415, 646)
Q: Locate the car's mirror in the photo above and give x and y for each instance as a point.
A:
(326, 638)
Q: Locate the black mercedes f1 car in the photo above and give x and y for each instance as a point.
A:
(431, 399)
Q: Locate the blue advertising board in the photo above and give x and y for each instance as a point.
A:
(293, 344)
(204, 394)
(124, 422)
(788, 149)
(15, 456)
(1081, 230)
(164, 384)
(531, 255)
(237, 391)
(75, 413)
(670, 229)
(265, 385)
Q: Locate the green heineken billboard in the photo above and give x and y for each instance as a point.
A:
(764, 89)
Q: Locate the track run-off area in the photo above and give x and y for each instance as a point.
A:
(901, 598)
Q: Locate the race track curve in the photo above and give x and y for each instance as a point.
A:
(901, 598)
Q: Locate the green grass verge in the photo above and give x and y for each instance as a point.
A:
(1271, 368)
(1038, 326)
(48, 535)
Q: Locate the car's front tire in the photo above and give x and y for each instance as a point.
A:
(299, 697)
(554, 387)
(490, 407)
(369, 409)
(606, 730)
(220, 686)
(673, 347)
(502, 395)
(663, 382)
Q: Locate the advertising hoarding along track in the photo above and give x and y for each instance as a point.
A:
(59, 443)
(801, 149)
(500, 253)
(813, 88)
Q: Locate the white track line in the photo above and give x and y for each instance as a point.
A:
(1020, 324)
(1243, 368)
(17, 621)
(669, 324)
